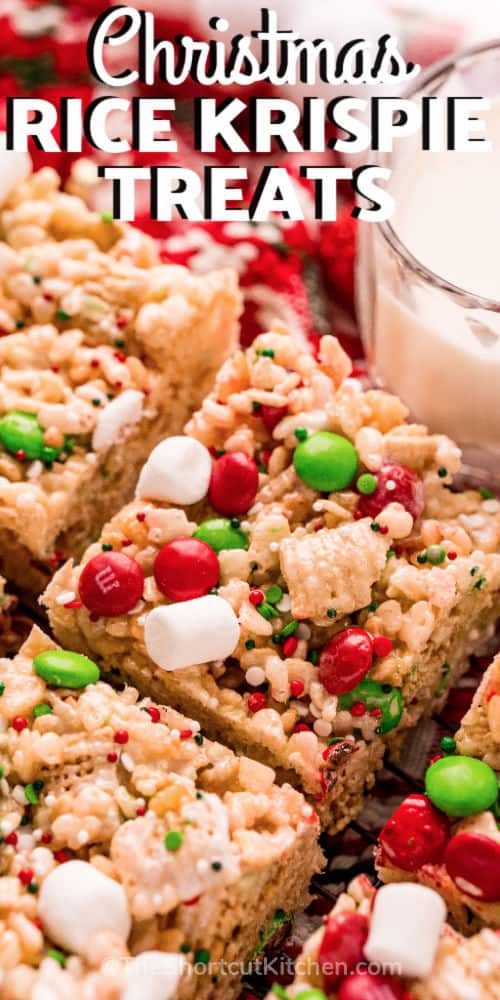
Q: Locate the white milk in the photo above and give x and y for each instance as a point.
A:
(441, 356)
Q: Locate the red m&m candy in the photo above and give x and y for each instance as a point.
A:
(345, 659)
(342, 947)
(186, 568)
(395, 484)
(233, 484)
(473, 862)
(111, 584)
(366, 985)
(271, 416)
(415, 835)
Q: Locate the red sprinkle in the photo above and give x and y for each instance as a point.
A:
(382, 645)
(121, 321)
(154, 712)
(434, 759)
(61, 856)
(11, 839)
(186, 734)
(257, 702)
(120, 356)
(384, 530)
(46, 838)
(452, 555)
(121, 736)
(73, 604)
(126, 542)
(20, 455)
(94, 363)
(256, 597)
(358, 708)
(140, 811)
(19, 723)
(141, 516)
(25, 876)
(289, 647)
(118, 384)
(301, 727)
(491, 695)
(296, 687)
(375, 713)
(192, 902)
(48, 298)
(112, 757)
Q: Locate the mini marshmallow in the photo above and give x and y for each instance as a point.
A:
(178, 470)
(14, 168)
(406, 924)
(155, 975)
(181, 635)
(124, 411)
(76, 900)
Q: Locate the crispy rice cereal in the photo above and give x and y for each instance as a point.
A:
(479, 737)
(107, 350)
(424, 590)
(205, 845)
(463, 969)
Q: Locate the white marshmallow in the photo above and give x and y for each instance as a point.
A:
(155, 975)
(124, 411)
(14, 168)
(406, 923)
(198, 631)
(76, 900)
(178, 470)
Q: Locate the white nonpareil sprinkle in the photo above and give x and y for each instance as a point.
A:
(82, 837)
(318, 506)
(322, 728)
(406, 924)
(76, 901)
(255, 676)
(177, 470)
(65, 597)
(285, 604)
(202, 866)
(274, 546)
(191, 632)
(19, 795)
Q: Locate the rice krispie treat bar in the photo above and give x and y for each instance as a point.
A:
(126, 833)
(103, 351)
(393, 944)
(295, 572)
(14, 625)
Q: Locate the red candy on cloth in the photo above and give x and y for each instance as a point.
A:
(395, 484)
(233, 484)
(111, 584)
(342, 947)
(345, 659)
(473, 862)
(186, 568)
(415, 835)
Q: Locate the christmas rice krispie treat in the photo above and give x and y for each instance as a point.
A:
(295, 572)
(393, 944)
(450, 838)
(134, 852)
(103, 351)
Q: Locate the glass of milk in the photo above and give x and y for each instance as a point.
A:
(428, 283)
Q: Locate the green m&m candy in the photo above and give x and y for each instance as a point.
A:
(311, 995)
(220, 534)
(21, 432)
(461, 786)
(326, 461)
(373, 695)
(61, 668)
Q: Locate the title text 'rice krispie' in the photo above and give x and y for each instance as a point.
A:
(296, 572)
(126, 833)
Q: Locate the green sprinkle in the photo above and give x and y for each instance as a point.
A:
(33, 888)
(486, 494)
(202, 956)
(185, 949)
(367, 483)
(42, 709)
(250, 644)
(25, 819)
(96, 402)
(106, 547)
(374, 526)
(266, 353)
(217, 866)
(390, 554)
(213, 590)
(256, 407)
(37, 279)
(1, 772)
(198, 738)
(235, 523)
(290, 628)
(334, 739)
(474, 570)
(436, 554)
(373, 606)
(277, 638)
(445, 669)
(267, 611)
(442, 472)
(62, 314)
(31, 795)
(274, 594)
(479, 583)
(301, 433)
(313, 656)
(173, 840)
(57, 956)
(20, 324)
(331, 613)
(107, 217)
(119, 342)
(448, 744)
(220, 452)
(421, 558)
(2, 688)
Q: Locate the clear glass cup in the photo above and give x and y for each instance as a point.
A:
(434, 343)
